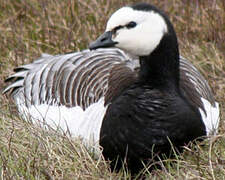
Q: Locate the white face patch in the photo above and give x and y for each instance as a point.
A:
(144, 37)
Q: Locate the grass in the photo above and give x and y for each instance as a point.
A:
(31, 27)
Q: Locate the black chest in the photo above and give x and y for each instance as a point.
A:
(144, 121)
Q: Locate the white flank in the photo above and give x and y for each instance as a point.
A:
(211, 119)
(75, 121)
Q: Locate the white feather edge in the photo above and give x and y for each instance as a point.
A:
(74, 121)
(212, 117)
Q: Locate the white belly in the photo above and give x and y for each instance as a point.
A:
(211, 119)
(73, 121)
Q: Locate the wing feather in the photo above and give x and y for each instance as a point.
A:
(75, 79)
(194, 85)
(82, 78)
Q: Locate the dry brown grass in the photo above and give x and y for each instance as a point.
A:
(31, 27)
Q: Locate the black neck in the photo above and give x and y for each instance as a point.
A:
(161, 67)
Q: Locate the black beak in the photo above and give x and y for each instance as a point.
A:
(104, 41)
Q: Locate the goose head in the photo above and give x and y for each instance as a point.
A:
(144, 31)
(137, 29)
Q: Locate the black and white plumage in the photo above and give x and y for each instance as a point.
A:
(128, 99)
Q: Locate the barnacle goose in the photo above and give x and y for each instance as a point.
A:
(131, 92)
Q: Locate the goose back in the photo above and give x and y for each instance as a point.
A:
(88, 81)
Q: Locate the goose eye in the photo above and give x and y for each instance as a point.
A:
(131, 24)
